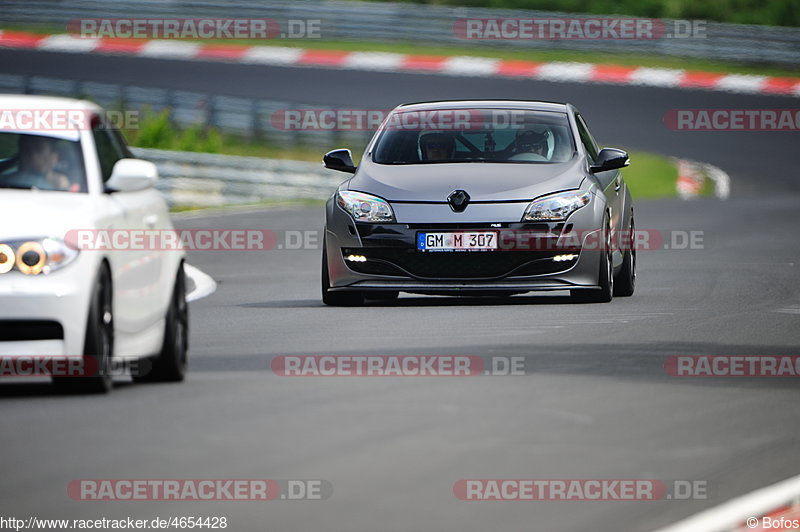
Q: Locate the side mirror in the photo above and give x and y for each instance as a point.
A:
(341, 160)
(610, 159)
(129, 175)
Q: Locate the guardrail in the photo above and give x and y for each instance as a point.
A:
(402, 22)
(244, 117)
(204, 179)
(210, 180)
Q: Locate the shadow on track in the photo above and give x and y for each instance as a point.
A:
(428, 301)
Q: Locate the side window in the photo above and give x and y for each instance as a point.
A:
(586, 138)
(123, 145)
(108, 150)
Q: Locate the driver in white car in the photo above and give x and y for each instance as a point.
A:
(38, 158)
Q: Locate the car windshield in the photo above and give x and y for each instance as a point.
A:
(474, 135)
(29, 161)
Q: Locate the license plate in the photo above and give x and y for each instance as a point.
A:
(461, 241)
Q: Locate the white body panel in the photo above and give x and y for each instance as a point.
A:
(142, 280)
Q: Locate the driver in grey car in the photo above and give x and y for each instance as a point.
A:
(437, 146)
(533, 142)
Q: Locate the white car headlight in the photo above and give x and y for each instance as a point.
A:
(364, 207)
(556, 207)
(35, 256)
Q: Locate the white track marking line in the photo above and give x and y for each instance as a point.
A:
(67, 43)
(741, 83)
(269, 55)
(470, 66)
(656, 77)
(170, 49)
(563, 71)
(732, 514)
(374, 61)
(204, 285)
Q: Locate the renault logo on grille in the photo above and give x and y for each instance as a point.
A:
(458, 200)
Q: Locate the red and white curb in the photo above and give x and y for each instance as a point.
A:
(775, 508)
(392, 62)
(692, 176)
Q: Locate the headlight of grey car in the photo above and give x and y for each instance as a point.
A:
(35, 256)
(364, 207)
(556, 207)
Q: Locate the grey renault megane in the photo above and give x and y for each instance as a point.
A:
(476, 198)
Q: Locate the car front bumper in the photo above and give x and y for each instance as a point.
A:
(388, 259)
(45, 315)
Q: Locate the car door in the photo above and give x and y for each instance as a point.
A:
(156, 218)
(136, 269)
(610, 182)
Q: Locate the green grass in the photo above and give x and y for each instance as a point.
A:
(271, 204)
(651, 176)
(477, 50)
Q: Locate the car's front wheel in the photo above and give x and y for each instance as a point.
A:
(625, 281)
(98, 344)
(171, 363)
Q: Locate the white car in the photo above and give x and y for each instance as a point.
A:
(65, 302)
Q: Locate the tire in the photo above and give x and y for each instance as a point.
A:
(336, 299)
(625, 281)
(605, 276)
(171, 363)
(98, 344)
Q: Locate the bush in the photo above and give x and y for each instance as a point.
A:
(156, 130)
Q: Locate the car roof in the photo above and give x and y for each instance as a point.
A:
(533, 105)
(28, 101)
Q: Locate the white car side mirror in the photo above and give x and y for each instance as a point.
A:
(129, 175)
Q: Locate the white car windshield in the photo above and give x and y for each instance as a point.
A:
(474, 135)
(33, 161)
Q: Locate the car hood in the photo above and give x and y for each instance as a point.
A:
(482, 181)
(39, 213)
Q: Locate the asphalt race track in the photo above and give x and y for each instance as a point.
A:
(596, 401)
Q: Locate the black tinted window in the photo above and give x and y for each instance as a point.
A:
(108, 150)
(479, 135)
(586, 138)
